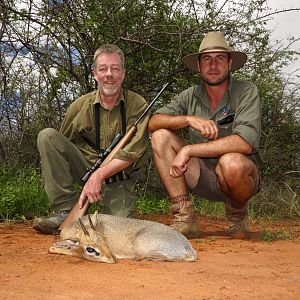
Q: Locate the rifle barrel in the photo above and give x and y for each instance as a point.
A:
(150, 105)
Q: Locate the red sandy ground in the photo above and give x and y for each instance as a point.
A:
(225, 269)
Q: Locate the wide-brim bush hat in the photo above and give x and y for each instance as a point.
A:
(214, 41)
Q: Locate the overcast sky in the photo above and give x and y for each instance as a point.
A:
(286, 25)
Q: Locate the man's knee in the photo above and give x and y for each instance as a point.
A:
(46, 135)
(232, 160)
(234, 167)
(237, 172)
(50, 140)
(159, 138)
(163, 139)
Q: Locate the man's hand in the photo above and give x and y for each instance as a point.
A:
(180, 163)
(92, 189)
(207, 128)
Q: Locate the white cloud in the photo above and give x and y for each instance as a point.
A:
(286, 25)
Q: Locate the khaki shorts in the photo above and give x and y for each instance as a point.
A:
(208, 186)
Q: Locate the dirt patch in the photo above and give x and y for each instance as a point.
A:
(225, 269)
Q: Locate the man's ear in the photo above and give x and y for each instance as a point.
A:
(95, 79)
(229, 64)
(124, 74)
(198, 64)
(93, 72)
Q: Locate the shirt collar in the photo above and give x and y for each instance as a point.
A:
(120, 98)
(200, 91)
(230, 86)
(201, 94)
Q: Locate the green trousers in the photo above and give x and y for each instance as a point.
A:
(63, 165)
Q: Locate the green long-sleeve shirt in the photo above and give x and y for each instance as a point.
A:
(241, 99)
(79, 125)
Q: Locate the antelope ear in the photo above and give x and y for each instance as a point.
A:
(94, 217)
(85, 231)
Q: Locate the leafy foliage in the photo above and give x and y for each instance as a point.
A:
(46, 56)
(21, 194)
(151, 204)
(22, 197)
(275, 235)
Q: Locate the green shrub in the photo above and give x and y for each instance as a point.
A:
(209, 208)
(277, 199)
(21, 194)
(275, 235)
(152, 204)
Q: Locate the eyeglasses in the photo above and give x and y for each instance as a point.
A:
(105, 69)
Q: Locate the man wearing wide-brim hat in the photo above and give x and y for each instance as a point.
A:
(221, 162)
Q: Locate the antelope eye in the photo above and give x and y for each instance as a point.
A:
(90, 249)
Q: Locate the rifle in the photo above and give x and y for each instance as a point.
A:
(118, 143)
(102, 156)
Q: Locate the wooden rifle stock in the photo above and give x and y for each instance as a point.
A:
(123, 142)
(78, 212)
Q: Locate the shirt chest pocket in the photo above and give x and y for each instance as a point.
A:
(89, 136)
(226, 130)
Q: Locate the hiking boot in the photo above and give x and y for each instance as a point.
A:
(237, 218)
(184, 220)
(238, 230)
(50, 225)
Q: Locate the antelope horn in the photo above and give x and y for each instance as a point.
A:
(83, 227)
(91, 223)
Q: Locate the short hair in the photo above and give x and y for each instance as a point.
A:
(110, 48)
